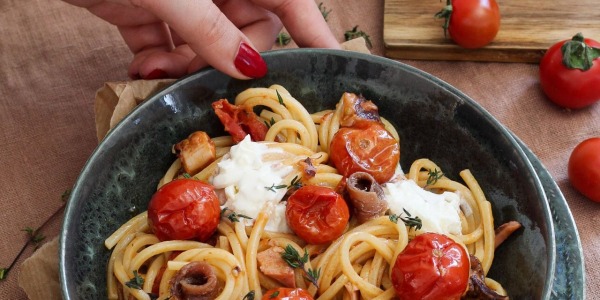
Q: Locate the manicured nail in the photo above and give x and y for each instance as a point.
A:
(156, 74)
(249, 62)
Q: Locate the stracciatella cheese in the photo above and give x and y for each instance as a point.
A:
(438, 212)
(246, 179)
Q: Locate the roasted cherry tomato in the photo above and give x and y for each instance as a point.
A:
(287, 294)
(317, 214)
(366, 147)
(239, 122)
(184, 209)
(432, 266)
(471, 23)
(570, 72)
(584, 168)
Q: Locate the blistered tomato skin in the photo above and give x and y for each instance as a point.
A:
(367, 148)
(584, 168)
(317, 214)
(431, 267)
(184, 209)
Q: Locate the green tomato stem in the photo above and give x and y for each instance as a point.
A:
(577, 54)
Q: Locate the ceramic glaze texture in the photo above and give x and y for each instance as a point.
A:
(434, 120)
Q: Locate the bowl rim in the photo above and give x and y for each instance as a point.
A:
(75, 197)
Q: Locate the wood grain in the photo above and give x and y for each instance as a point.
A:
(528, 28)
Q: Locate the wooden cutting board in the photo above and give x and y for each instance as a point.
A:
(528, 28)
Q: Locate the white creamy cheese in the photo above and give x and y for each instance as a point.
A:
(438, 212)
(246, 179)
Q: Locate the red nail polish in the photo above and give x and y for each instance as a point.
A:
(249, 62)
(156, 74)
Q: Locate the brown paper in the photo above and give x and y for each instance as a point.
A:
(39, 273)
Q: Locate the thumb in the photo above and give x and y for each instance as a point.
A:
(210, 34)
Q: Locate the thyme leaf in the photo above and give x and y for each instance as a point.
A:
(354, 33)
(434, 176)
(233, 216)
(411, 222)
(293, 258)
(279, 98)
(136, 282)
(283, 39)
(324, 11)
(249, 296)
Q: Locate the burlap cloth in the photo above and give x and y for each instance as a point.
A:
(54, 57)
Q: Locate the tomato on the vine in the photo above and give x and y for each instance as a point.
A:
(317, 214)
(184, 209)
(366, 147)
(570, 72)
(432, 266)
(471, 23)
(287, 294)
(584, 168)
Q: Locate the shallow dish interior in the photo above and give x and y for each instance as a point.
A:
(434, 120)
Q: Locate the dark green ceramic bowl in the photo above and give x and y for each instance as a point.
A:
(434, 120)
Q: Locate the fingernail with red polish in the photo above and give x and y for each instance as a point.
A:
(156, 74)
(249, 62)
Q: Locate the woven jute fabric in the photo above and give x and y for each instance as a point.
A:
(54, 57)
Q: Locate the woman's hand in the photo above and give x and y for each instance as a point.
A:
(172, 38)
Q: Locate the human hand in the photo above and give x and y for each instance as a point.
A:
(172, 38)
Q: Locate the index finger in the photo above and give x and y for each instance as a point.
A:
(304, 21)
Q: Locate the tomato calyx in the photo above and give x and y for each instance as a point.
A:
(445, 13)
(577, 54)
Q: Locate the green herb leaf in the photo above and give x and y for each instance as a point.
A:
(3, 273)
(274, 295)
(354, 33)
(411, 222)
(249, 296)
(291, 256)
(296, 182)
(274, 187)
(434, 176)
(233, 216)
(279, 98)
(136, 282)
(283, 39)
(65, 195)
(324, 11)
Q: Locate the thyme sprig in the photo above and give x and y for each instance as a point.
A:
(324, 11)
(279, 98)
(35, 236)
(410, 221)
(296, 183)
(137, 282)
(291, 256)
(354, 33)
(233, 216)
(283, 39)
(250, 296)
(434, 176)
(270, 122)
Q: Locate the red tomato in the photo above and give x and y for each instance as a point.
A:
(239, 122)
(287, 294)
(584, 168)
(367, 147)
(563, 81)
(184, 209)
(317, 214)
(432, 266)
(471, 23)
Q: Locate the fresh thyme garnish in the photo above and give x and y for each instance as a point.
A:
(296, 183)
(35, 236)
(283, 39)
(279, 98)
(270, 122)
(274, 295)
(434, 176)
(233, 216)
(291, 256)
(249, 296)
(324, 11)
(136, 282)
(274, 187)
(354, 33)
(408, 221)
(186, 175)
